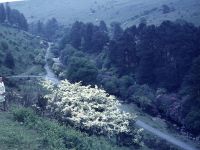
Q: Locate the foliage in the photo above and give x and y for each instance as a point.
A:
(12, 17)
(191, 105)
(80, 69)
(88, 37)
(55, 136)
(143, 96)
(9, 60)
(19, 49)
(90, 109)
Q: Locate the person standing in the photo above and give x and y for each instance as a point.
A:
(2, 93)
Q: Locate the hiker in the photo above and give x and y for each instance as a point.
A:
(2, 94)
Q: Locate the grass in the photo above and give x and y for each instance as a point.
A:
(22, 129)
(16, 136)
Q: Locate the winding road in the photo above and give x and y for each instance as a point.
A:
(49, 73)
(166, 136)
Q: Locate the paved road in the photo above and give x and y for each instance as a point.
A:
(165, 136)
(49, 73)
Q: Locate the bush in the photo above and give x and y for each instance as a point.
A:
(54, 136)
(81, 69)
(143, 96)
(192, 121)
(23, 115)
(89, 109)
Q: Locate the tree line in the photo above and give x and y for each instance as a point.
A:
(12, 17)
(46, 29)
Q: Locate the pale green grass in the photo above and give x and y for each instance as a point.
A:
(14, 136)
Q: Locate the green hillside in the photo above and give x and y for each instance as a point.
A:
(22, 129)
(20, 52)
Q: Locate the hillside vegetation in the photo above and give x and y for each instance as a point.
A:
(20, 52)
(23, 129)
(155, 67)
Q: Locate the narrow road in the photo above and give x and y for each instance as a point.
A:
(165, 136)
(49, 73)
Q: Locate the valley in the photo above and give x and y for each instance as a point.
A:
(93, 76)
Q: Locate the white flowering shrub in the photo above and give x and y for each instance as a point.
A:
(88, 108)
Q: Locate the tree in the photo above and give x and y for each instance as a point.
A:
(87, 35)
(99, 40)
(50, 28)
(191, 105)
(117, 31)
(2, 13)
(8, 13)
(9, 60)
(146, 53)
(76, 34)
(102, 26)
(80, 69)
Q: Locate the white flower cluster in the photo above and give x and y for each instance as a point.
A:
(88, 108)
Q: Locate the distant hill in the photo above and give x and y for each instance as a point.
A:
(127, 12)
(20, 52)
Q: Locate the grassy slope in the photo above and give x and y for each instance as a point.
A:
(16, 136)
(127, 12)
(41, 133)
(24, 47)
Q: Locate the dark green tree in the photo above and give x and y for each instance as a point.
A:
(81, 69)
(50, 28)
(117, 30)
(191, 106)
(102, 26)
(9, 60)
(2, 13)
(76, 34)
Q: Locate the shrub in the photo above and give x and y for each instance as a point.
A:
(80, 69)
(23, 115)
(55, 136)
(89, 109)
(9, 60)
(143, 96)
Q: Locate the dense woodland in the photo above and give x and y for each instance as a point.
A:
(156, 67)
